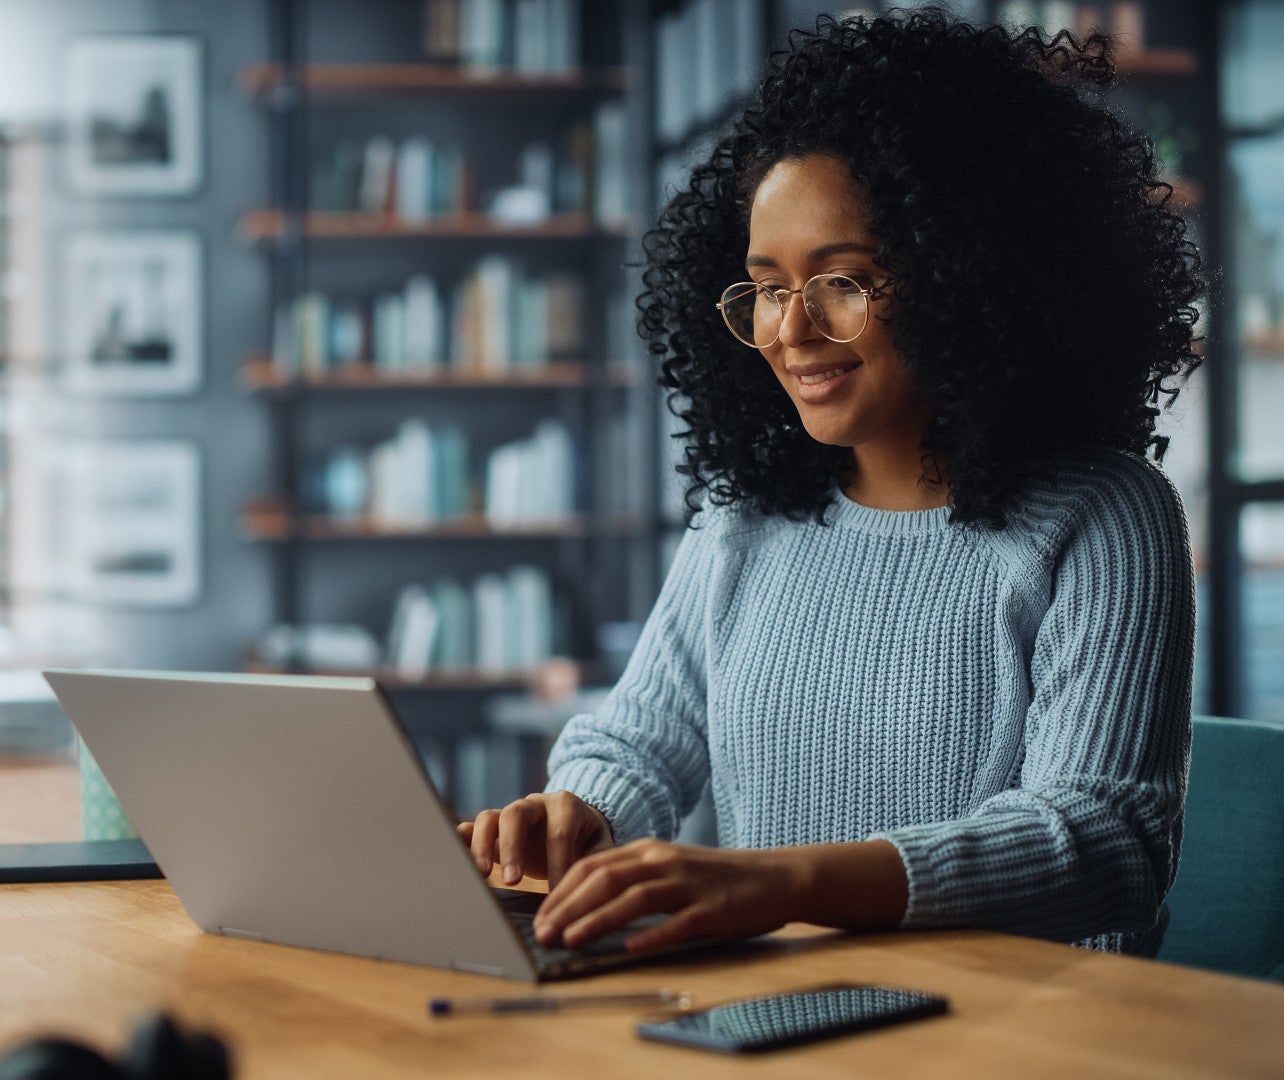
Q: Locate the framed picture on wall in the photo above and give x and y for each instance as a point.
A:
(124, 522)
(133, 313)
(133, 115)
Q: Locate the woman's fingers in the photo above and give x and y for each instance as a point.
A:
(485, 831)
(690, 922)
(541, 835)
(706, 892)
(573, 828)
(582, 922)
(605, 891)
(521, 826)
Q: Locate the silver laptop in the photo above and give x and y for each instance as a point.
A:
(294, 809)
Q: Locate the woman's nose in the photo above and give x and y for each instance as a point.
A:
(796, 326)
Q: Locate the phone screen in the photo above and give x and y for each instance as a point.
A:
(788, 1019)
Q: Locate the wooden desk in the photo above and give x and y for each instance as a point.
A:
(86, 960)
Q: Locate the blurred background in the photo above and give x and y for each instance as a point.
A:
(317, 348)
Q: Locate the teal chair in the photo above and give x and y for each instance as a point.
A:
(1227, 903)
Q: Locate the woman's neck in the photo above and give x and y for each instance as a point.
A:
(883, 480)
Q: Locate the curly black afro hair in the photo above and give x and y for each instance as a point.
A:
(1043, 290)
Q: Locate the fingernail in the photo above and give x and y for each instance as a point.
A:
(483, 864)
(512, 875)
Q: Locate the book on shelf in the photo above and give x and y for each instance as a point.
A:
(622, 477)
(533, 37)
(441, 31)
(491, 611)
(708, 54)
(420, 476)
(389, 332)
(454, 645)
(411, 181)
(349, 334)
(504, 622)
(394, 331)
(498, 318)
(413, 636)
(532, 480)
(502, 318)
(712, 75)
(484, 35)
(611, 196)
(320, 646)
(423, 325)
(674, 57)
(563, 301)
(546, 36)
(378, 172)
(529, 618)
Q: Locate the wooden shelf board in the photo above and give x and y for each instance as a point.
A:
(448, 679)
(468, 225)
(1268, 344)
(272, 520)
(1156, 62)
(340, 81)
(259, 373)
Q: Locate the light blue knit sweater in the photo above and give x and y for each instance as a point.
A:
(1010, 709)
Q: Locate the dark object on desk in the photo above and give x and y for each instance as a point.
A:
(158, 1050)
(768, 1023)
(85, 860)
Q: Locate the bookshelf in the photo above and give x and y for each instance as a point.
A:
(447, 238)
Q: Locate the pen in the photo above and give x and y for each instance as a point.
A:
(552, 1002)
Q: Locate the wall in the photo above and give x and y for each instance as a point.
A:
(229, 427)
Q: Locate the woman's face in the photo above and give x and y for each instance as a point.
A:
(807, 218)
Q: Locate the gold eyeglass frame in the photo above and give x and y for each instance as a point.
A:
(781, 295)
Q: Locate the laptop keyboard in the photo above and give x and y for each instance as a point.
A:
(520, 909)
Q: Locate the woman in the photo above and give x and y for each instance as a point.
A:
(930, 639)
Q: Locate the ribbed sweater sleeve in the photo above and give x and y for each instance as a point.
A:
(1087, 841)
(643, 758)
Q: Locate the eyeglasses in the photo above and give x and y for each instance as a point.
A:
(837, 305)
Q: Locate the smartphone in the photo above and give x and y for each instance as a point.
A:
(766, 1023)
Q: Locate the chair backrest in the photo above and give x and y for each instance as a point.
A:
(1227, 903)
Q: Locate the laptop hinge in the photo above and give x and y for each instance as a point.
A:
(477, 969)
(249, 935)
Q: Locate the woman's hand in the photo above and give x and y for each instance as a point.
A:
(723, 893)
(541, 836)
(709, 892)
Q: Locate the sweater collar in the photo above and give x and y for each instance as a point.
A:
(845, 513)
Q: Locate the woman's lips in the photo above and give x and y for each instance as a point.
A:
(820, 386)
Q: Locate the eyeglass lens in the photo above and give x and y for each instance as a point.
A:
(835, 304)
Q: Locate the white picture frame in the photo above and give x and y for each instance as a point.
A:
(124, 522)
(133, 319)
(133, 115)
